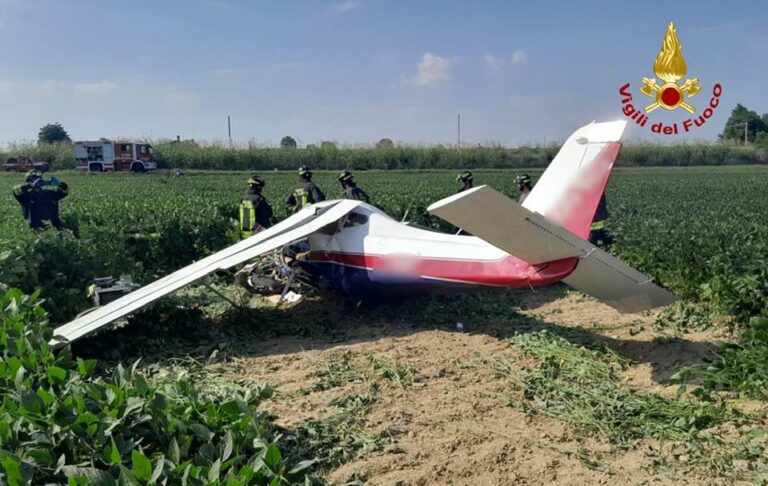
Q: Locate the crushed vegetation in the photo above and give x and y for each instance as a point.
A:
(339, 437)
(740, 366)
(581, 385)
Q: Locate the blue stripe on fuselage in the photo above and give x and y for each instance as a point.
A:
(368, 285)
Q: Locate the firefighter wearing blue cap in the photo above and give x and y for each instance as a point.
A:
(39, 200)
(255, 211)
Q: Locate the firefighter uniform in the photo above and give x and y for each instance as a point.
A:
(466, 179)
(525, 185)
(255, 211)
(38, 203)
(356, 193)
(598, 234)
(305, 192)
(350, 189)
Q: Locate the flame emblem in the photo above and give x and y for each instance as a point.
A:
(670, 66)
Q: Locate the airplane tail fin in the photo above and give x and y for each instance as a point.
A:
(553, 223)
(569, 191)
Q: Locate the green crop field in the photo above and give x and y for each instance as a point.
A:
(698, 231)
(701, 232)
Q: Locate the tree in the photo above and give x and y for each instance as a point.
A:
(761, 140)
(53, 133)
(734, 127)
(288, 142)
(327, 145)
(311, 146)
(385, 143)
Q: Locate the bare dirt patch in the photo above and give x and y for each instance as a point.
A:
(656, 356)
(452, 425)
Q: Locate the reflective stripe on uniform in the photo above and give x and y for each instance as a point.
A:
(302, 197)
(247, 216)
(597, 225)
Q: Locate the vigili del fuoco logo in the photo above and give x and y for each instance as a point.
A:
(669, 94)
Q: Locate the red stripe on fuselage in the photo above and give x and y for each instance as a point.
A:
(508, 272)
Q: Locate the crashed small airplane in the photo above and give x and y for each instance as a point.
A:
(354, 248)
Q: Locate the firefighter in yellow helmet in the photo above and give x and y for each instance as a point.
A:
(255, 211)
(305, 192)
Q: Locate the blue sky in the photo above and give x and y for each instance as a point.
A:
(355, 71)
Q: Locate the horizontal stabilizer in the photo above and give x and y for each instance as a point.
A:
(298, 226)
(608, 279)
(502, 222)
(531, 237)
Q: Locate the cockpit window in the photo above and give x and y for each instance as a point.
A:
(355, 219)
(329, 228)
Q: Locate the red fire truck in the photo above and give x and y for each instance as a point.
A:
(108, 155)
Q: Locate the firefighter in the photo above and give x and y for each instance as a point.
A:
(40, 203)
(465, 177)
(255, 211)
(524, 184)
(466, 180)
(350, 189)
(305, 192)
(598, 234)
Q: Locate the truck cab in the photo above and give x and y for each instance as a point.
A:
(136, 157)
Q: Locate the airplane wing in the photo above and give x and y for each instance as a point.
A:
(298, 226)
(495, 218)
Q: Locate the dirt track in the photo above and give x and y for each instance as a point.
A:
(451, 426)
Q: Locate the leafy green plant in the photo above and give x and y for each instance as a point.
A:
(685, 316)
(741, 366)
(61, 421)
